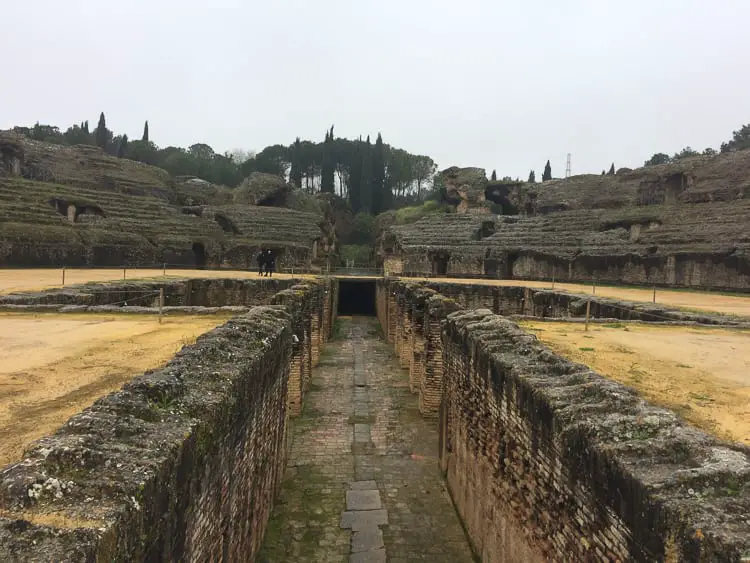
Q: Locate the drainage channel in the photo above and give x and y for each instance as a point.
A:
(364, 514)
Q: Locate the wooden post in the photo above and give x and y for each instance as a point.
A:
(594, 290)
(63, 276)
(588, 313)
(161, 302)
(654, 299)
(165, 269)
(123, 273)
(553, 282)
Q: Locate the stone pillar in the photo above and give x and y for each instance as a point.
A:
(315, 329)
(431, 388)
(416, 366)
(405, 350)
(325, 330)
(392, 315)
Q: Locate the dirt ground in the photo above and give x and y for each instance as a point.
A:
(35, 279)
(54, 365)
(703, 374)
(683, 299)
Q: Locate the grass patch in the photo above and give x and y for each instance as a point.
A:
(614, 325)
(586, 349)
(684, 366)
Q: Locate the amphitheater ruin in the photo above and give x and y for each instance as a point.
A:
(489, 394)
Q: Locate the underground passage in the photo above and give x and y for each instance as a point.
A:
(356, 297)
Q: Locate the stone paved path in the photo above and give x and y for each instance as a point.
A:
(363, 483)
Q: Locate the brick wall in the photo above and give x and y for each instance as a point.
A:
(548, 461)
(183, 463)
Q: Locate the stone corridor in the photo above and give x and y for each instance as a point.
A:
(362, 483)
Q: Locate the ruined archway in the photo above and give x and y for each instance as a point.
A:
(199, 252)
(440, 263)
(75, 212)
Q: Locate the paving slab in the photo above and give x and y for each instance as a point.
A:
(368, 539)
(363, 500)
(363, 519)
(377, 556)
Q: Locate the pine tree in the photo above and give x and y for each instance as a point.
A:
(86, 127)
(327, 165)
(366, 184)
(612, 170)
(604, 173)
(295, 174)
(532, 177)
(547, 175)
(101, 133)
(493, 178)
(145, 132)
(122, 147)
(355, 177)
(380, 199)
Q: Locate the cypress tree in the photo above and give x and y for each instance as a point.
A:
(547, 175)
(295, 174)
(145, 132)
(355, 177)
(327, 165)
(532, 177)
(604, 173)
(122, 147)
(612, 169)
(380, 200)
(101, 133)
(86, 127)
(493, 178)
(366, 184)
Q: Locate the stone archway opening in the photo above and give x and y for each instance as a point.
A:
(199, 252)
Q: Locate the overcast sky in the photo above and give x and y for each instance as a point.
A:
(497, 84)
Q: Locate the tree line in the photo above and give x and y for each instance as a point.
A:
(740, 141)
(372, 177)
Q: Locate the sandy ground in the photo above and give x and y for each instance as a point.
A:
(703, 374)
(35, 279)
(53, 366)
(694, 300)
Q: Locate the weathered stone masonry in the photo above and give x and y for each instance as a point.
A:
(548, 461)
(182, 464)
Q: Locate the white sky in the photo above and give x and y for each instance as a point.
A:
(498, 84)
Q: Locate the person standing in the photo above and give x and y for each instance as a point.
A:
(271, 263)
(261, 262)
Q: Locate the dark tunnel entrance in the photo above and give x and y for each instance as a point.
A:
(356, 297)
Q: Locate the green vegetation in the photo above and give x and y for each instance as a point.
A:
(740, 141)
(371, 178)
(586, 349)
(356, 253)
(414, 213)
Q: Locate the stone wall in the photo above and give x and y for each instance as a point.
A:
(183, 463)
(198, 292)
(694, 269)
(548, 461)
(707, 270)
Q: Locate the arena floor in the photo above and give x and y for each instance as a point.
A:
(55, 365)
(35, 279)
(703, 374)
